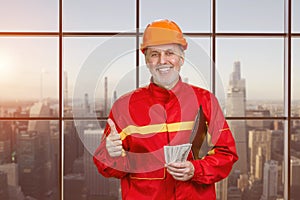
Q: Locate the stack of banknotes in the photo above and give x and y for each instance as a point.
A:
(177, 153)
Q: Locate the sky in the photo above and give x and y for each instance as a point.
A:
(29, 65)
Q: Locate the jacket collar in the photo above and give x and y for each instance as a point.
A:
(163, 94)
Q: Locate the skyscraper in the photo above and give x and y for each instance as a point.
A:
(295, 177)
(66, 93)
(236, 107)
(34, 153)
(3, 185)
(270, 180)
(259, 150)
(96, 183)
(30, 163)
(5, 142)
(87, 107)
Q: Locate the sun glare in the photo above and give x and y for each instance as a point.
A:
(5, 67)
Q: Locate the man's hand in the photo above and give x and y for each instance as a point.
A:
(181, 171)
(113, 141)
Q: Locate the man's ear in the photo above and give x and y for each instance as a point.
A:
(181, 61)
(146, 58)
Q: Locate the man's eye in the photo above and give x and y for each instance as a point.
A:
(169, 53)
(154, 54)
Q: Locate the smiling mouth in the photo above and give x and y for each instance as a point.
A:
(164, 69)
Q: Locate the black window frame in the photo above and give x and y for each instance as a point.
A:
(288, 35)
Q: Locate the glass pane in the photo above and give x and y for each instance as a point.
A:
(295, 76)
(250, 16)
(29, 73)
(251, 74)
(260, 149)
(81, 178)
(29, 159)
(29, 15)
(295, 159)
(295, 151)
(196, 13)
(295, 16)
(196, 68)
(97, 71)
(98, 15)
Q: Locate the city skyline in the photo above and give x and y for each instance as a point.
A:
(98, 95)
(46, 75)
(26, 59)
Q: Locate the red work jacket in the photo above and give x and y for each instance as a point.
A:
(150, 118)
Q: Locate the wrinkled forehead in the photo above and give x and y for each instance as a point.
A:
(164, 47)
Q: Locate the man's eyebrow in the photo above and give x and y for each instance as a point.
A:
(154, 50)
(161, 50)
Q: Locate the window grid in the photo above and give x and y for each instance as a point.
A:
(287, 35)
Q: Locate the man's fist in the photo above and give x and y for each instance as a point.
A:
(113, 141)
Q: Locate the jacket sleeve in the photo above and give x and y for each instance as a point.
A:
(106, 165)
(218, 162)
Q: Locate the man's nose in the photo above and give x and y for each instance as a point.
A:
(162, 58)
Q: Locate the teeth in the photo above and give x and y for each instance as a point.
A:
(164, 69)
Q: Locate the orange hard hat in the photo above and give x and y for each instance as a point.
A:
(162, 32)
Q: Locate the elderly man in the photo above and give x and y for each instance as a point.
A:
(162, 114)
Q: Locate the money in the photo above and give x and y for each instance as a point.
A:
(177, 153)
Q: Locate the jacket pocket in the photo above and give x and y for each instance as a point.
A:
(155, 175)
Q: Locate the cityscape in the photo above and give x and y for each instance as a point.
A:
(30, 149)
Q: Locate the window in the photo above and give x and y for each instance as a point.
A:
(29, 16)
(250, 17)
(29, 64)
(252, 58)
(295, 16)
(173, 10)
(63, 63)
(98, 16)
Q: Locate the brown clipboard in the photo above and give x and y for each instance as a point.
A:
(198, 135)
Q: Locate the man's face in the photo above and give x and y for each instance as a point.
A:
(164, 62)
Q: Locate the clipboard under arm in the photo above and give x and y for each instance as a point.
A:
(198, 135)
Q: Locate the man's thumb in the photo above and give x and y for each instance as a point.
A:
(112, 126)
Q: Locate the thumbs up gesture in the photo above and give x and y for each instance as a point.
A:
(113, 141)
